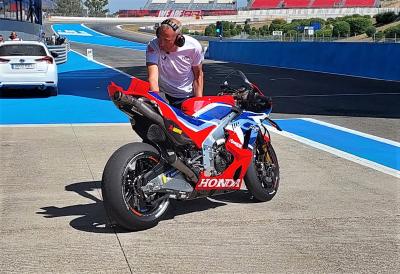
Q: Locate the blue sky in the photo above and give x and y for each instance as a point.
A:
(114, 5)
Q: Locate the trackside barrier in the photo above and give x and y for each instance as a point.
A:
(371, 60)
(61, 50)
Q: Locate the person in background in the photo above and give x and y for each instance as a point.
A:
(14, 37)
(1, 38)
(174, 64)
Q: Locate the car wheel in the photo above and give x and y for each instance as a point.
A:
(52, 91)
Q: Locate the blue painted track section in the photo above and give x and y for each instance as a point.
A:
(81, 34)
(375, 151)
(82, 98)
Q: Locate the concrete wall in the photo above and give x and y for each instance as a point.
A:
(370, 60)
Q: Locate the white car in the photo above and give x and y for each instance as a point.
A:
(28, 64)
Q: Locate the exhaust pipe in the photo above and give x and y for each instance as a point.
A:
(143, 108)
(177, 163)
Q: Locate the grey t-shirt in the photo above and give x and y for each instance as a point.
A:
(175, 68)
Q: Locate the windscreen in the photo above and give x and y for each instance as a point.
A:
(236, 80)
(22, 50)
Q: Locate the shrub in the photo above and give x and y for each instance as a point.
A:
(370, 31)
(385, 18)
(341, 28)
(393, 32)
(210, 30)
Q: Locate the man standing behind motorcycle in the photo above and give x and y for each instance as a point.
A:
(174, 63)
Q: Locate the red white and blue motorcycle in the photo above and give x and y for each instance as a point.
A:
(214, 145)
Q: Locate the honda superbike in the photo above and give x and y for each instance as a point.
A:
(213, 145)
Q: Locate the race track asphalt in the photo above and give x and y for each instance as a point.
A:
(330, 215)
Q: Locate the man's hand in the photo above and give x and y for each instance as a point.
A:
(198, 82)
(152, 72)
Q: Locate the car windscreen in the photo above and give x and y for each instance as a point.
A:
(22, 50)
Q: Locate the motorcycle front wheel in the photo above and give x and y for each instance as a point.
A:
(124, 201)
(262, 176)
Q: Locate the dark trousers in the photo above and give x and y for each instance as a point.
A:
(175, 102)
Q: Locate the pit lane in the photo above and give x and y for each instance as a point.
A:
(330, 214)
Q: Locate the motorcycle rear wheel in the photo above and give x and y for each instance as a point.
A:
(262, 176)
(124, 201)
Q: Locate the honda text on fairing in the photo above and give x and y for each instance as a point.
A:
(214, 145)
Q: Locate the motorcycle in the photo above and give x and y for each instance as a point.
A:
(212, 145)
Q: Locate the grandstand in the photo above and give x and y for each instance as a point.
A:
(191, 5)
(278, 4)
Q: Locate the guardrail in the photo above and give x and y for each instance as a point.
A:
(61, 50)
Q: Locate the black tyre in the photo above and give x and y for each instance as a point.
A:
(123, 199)
(262, 177)
(52, 91)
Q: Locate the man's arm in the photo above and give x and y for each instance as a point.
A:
(152, 72)
(198, 82)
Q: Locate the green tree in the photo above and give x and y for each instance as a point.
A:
(97, 8)
(247, 28)
(341, 28)
(277, 24)
(327, 32)
(291, 33)
(370, 31)
(69, 7)
(393, 32)
(225, 26)
(210, 30)
(318, 20)
(358, 25)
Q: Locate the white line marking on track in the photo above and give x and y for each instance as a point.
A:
(102, 64)
(366, 135)
(117, 47)
(342, 154)
(102, 34)
(335, 95)
(67, 125)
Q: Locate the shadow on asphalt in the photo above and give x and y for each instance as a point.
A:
(91, 216)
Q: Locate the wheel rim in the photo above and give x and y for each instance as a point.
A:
(135, 200)
(267, 169)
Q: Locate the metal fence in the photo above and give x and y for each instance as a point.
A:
(314, 38)
(61, 50)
